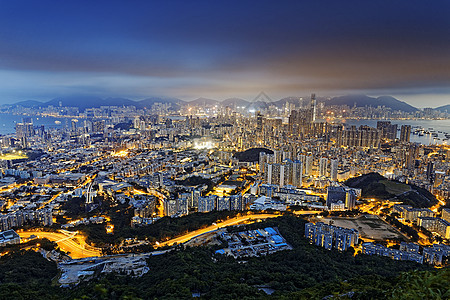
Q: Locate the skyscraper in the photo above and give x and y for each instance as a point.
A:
(405, 133)
(313, 108)
(297, 173)
(323, 164)
(334, 169)
(24, 129)
(430, 174)
(308, 165)
(259, 122)
(388, 131)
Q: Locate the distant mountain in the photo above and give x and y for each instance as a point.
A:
(30, 103)
(251, 155)
(445, 108)
(203, 101)
(83, 102)
(257, 105)
(294, 100)
(149, 102)
(363, 100)
(235, 102)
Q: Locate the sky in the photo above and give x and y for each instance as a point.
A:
(222, 49)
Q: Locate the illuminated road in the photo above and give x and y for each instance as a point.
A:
(64, 242)
(230, 222)
(160, 196)
(307, 212)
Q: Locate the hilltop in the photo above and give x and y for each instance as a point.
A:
(363, 100)
(251, 155)
(374, 185)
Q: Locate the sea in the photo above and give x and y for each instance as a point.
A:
(441, 127)
(8, 122)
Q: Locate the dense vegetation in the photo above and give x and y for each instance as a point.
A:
(251, 155)
(194, 181)
(307, 272)
(27, 275)
(373, 185)
(162, 229)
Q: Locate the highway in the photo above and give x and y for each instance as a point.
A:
(307, 212)
(66, 243)
(234, 221)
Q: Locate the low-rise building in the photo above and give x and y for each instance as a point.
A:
(9, 237)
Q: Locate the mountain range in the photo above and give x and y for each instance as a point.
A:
(83, 102)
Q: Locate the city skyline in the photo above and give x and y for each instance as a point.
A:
(201, 49)
(224, 150)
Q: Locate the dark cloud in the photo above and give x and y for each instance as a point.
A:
(186, 48)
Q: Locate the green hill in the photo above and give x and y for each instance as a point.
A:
(251, 155)
(373, 185)
(306, 272)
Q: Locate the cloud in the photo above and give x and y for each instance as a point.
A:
(237, 48)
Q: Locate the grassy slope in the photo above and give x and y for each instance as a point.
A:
(374, 185)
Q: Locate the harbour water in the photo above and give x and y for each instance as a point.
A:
(8, 122)
(439, 126)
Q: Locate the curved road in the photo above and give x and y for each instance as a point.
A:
(78, 251)
(234, 221)
(68, 245)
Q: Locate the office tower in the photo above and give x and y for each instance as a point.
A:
(262, 161)
(308, 165)
(73, 124)
(222, 203)
(300, 121)
(183, 206)
(387, 130)
(276, 174)
(206, 204)
(24, 129)
(297, 170)
(350, 199)
(446, 214)
(323, 164)
(278, 156)
(98, 126)
(284, 174)
(286, 155)
(405, 133)
(413, 154)
(236, 202)
(430, 175)
(136, 122)
(170, 207)
(334, 169)
(302, 159)
(313, 112)
(338, 195)
(364, 136)
(259, 122)
(268, 173)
